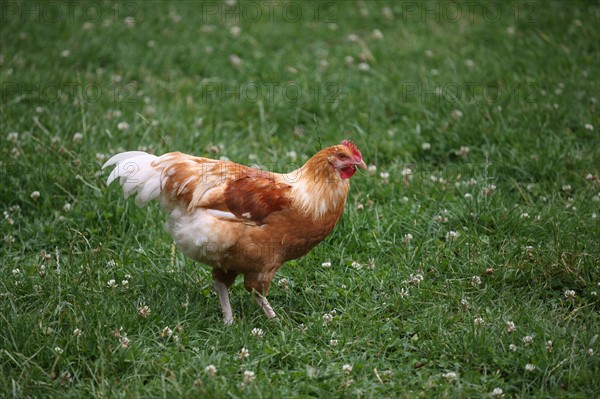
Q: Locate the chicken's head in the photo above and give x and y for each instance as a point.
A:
(346, 158)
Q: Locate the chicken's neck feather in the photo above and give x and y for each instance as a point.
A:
(317, 188)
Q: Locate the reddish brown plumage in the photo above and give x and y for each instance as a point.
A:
(241, 220)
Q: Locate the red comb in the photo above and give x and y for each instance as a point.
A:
(353, 148)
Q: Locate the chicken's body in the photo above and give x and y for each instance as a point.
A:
(241, 220)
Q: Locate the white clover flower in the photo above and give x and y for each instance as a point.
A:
(529, 367)
(349, 60)
(327, 318)
(414, 279)
(13, 137)
(235, 60)
(426, 146)
(497, 393)
(144, 311)
(326, 264)
(356, 265)
(166, 332)
(468, 196)
(384, 175)
(377, 34)
(450, 376)
(489, 190)
(465, 303)
(406, 172)
(78, 137)
(590, 352)
(257, 332)
(292, 155)
(476, 281)
(211, 370)
(67, 207)
(512, 347)
(77, 332)
(249, 377)
(347, 368)
(65, 53)
(525, 215)
(589, 126)
(125, 283)
(570, 295)
(451, 235)
(16, 272)
(527, 339)
(352, 37)
(58, 350)
(441, 219)
(549, 346)
(428, 53)
(456, 114)
(407, 238)
(403, 293)
(371, 169)
(387, 13)
(235, 31)
(478, 321)
(567, 188)
(510, 327)
(35, 195)
(125, 342)
(111, 283)
(284, 283)
(528, 249)
(243, 354)
(129, 21)
(363, 66)
(463, 151)
(333, 342)
(469, 63)
(370, 264)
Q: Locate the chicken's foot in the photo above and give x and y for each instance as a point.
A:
(264, 304)
(224, 299)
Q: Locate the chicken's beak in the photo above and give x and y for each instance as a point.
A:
(361, 164)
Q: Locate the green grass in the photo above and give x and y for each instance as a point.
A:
(526, 95)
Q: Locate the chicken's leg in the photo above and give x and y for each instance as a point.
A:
(224, 299)
(264, 304)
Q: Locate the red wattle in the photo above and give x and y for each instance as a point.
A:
(347, 172)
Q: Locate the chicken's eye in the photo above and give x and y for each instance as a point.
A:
(342, 156)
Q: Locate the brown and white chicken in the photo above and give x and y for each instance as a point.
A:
(241, 220)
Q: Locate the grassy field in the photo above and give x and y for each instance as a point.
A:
(466, 263)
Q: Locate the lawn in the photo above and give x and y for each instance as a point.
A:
(467, 261)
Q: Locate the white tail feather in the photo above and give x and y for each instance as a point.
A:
(136, 174)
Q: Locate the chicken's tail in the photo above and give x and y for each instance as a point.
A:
(136, 174)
